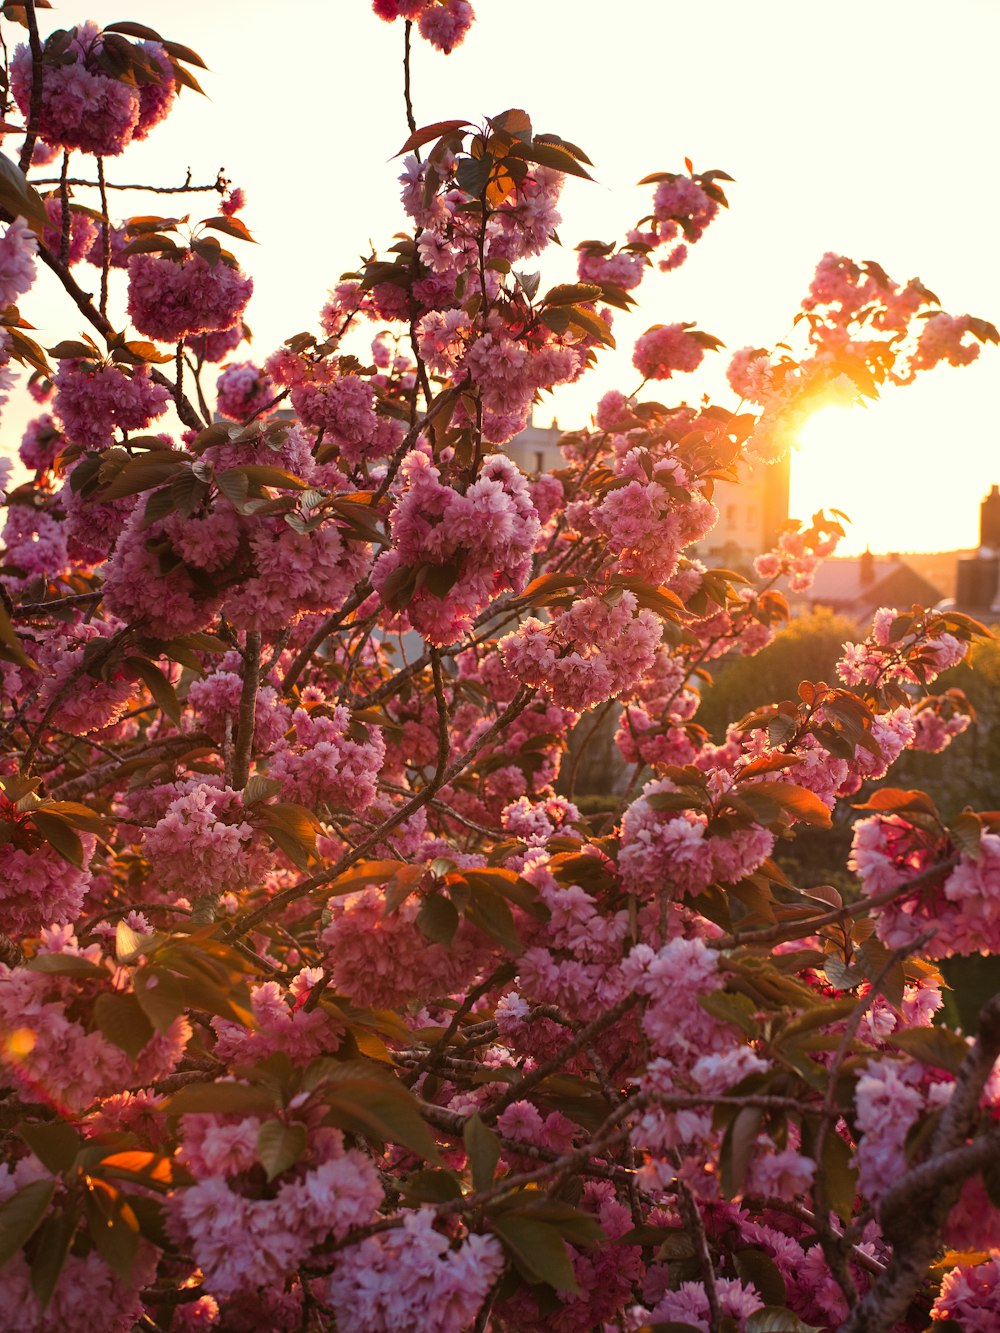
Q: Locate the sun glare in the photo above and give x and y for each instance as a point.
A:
(835, 466)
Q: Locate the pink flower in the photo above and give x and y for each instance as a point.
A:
(587, 654)
(412, 1278)
(82, 106)
(169, 300)
(666, 348)
(453, 553)
(321, 765)
(41, 442)
(83, 232)
(243, 390)
(18, 248)
(444, 25)
(93, 401)
(204, 844)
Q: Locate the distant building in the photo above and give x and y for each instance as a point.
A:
(978, 585)
(536, 448)
(857, 586)
(752, 512)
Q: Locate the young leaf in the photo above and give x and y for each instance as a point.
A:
(436, 131)
(229, 227)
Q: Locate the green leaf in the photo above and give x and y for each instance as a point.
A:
(875, 958)
(756, 1268)
(55, 1144)
(221, 1098)
(259, 788)
(938, 1047)
(551, 155)
(575, 1226)
(158, 685)
(143, 473)
(438, 919)
(149, 1169)
(113, 1226)
(60, 837)
(65, 965)
(22, 1214)
(132, 29)
(229, 227)
(129, 944)
(568, 293)
(841, 976)
(120, 1017)
(738, 1148)
(894, 800)
(79, 816)
(280, 1146)
(776, 1319)
(20, 198)
(490, 912)
(966, 832)
(538, 1250)
(160, 994)
(296, 821)
(482, 1148)
(76, 351)
(54, 1240)
(378, 1107)
(592, 324)
(260, 474)
(839, 1176)
(788, 797)
(429, 1186)
(733, 1008)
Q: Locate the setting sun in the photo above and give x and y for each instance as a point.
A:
(881, 465)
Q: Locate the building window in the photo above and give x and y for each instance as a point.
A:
(731, 515)
(539, 460)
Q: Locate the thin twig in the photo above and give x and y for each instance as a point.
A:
(105, 236)
(320, 880)
(247, 710)
(798, 930)
(35, 102)
(217, 185)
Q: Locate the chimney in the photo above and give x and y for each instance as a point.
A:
(989, 520)
(866, 571)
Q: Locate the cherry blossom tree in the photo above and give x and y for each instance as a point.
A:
(322, 1006)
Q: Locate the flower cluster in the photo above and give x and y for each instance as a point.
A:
(85, 105)
(598, 649)
(171, 299)
(453, 553)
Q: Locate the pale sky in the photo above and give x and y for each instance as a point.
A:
(866, 128)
